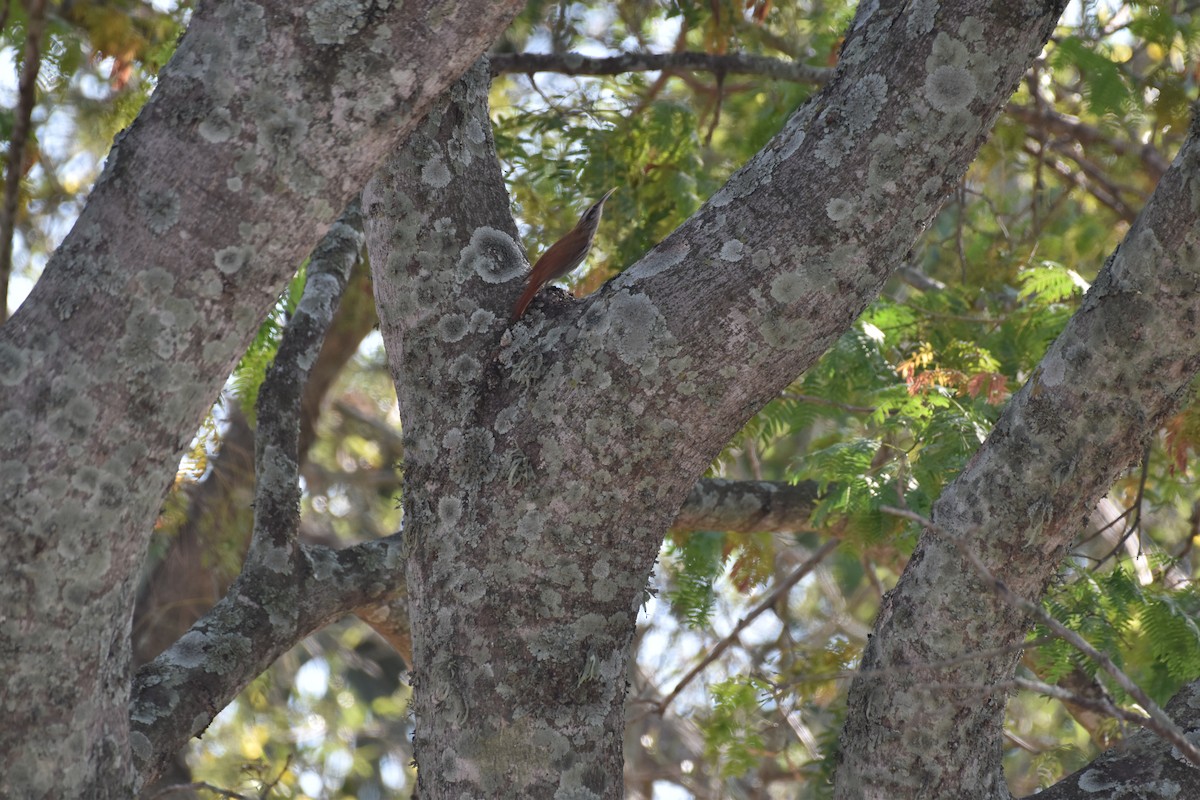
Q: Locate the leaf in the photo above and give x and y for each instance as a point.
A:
(1105, 86)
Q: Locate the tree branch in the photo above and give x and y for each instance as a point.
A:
(778, 592)
(35, 26)
(1117, 371)
(715, 504)
(736, 63)
(1046, 117)
(285, 590)
(1157, 721)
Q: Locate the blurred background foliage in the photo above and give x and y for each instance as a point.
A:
(888, 417)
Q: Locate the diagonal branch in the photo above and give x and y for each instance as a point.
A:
(286, 590)
(1075, 129)
(1116, 373)
(1157, 720)
(781, 589)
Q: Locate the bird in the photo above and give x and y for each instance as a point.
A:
(564, 255)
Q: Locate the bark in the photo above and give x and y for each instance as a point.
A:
(714, 504)
(1143, 766)
(724, 64)
(269, 117)
(1118, 370)
(545, 460)
(189, 579)
(535, 504)
(286, 590)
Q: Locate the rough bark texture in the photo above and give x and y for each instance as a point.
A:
(714, 504)
(507, 703)
(1143, 767)
(544, 460)
(285, 590)
(269, 117)
(188, 579)
(1108, 382)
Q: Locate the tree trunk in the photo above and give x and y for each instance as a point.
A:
(545, 459)
(267, 120)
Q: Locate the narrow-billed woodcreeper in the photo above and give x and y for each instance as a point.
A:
(564, 255)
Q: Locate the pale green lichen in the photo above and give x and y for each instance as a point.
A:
(481, 320)
(1091, 780)
(864, 102)
(492, 255)
(13, 476)
(281, 128)
(465, 369)
(633, 321)
(887, 164)
(435, 173)
(831, 148)
(452, 327)
(76, 417)
(140, 744)
(156, 280)
(453, 439)
(140, 342)
(335, 21)
(921, 17)
(474, 131)
(950, 88)
(947, 52)
(785, 334)
(404, 80)
(659, 260)
(449, 510)
(733, 250)
(230, 260)
(188, 650)
(788, 287)
(550, 601)
(839, 209)
(160, 208)
(971, 29)
(217, 127)
(14, 364)
(478, 462)
(791, 143)
(505, 419)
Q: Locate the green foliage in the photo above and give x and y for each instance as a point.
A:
(732, 739)
(1105, 86)
(98, 65)
(1050, 283)
(332, 713)
(888, 416)
(252, 368)
(1148, 631)
(1169, 622)
(694, 563)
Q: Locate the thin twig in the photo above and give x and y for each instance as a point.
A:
(1163, 725)
(821, 401)
(269, 787)
(735, 63)
(767, 602)
(928, 666)
(35, 26)
(1131, 529)
(175, 788)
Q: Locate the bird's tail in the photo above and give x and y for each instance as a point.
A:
(526, 298)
